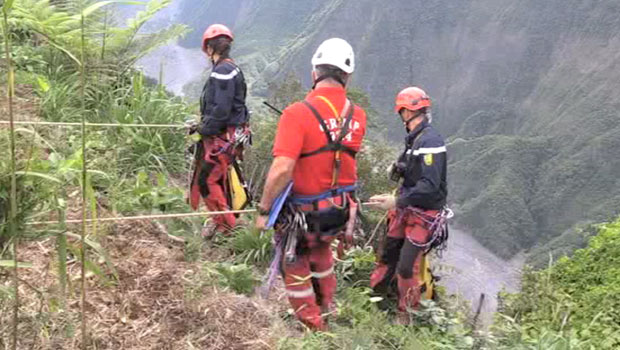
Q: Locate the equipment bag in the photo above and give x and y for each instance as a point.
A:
(330, 221)
(238, 194)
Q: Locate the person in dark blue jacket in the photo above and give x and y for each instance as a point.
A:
(223, 127)
(416, 212)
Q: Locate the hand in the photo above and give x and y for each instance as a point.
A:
(192, 125)
(384, 201)
(261, 222)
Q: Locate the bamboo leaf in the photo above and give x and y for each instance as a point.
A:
(10, 264)
(8, 4)
(98, 172)
(43, 83)
(67, 52)
(98, 248)
(40, 175)
(96, 6)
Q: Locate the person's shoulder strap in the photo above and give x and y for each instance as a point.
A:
(333, 145)
(318, 117)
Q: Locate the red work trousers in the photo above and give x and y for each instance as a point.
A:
(401, 258)
(310, 282)
(210, 180)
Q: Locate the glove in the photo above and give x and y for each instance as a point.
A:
(192, 125)
(384, 201)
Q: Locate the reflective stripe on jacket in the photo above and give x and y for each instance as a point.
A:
(222, 102)
(425, 179)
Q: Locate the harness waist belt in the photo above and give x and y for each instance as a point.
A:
(325, 195)
(321, 204)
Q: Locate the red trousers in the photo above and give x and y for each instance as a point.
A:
(210, 180)
(310, 282)
(400, 259)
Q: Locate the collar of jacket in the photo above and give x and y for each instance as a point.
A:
(222, 60)
(416, 131)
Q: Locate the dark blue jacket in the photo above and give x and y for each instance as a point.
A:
(222, 102)
(425, 163)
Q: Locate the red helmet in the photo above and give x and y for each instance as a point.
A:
(214, 31)
(412, 98)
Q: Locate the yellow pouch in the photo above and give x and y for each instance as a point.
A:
(427, 281)
(238, 191)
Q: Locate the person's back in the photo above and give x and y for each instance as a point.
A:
(223, 129)
(300, 133)
(222, 102)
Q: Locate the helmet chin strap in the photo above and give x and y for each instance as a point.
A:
(406, 122)
(327, 76)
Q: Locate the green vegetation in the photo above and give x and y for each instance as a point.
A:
(137, 270)
(576, 301)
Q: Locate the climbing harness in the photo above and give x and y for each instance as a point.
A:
(437, 225)
(332, 145)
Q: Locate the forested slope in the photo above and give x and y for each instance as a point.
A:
(526, 90)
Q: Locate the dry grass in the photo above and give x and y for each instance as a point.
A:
(25, 105)
(149, 307)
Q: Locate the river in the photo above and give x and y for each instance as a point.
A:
(468, 269)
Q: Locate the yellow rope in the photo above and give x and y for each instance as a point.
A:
(331, 106)
(107, 125)
(336, 170)
(161, 216)
(146, 217)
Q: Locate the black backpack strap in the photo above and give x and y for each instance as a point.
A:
(331, 144)
(316, 115)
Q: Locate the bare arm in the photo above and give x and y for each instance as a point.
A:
(280, 174)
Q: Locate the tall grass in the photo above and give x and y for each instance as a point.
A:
(8, 4)
(84, 160)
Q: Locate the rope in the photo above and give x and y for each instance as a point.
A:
(105, 125)
(145, 217)
(153, 217)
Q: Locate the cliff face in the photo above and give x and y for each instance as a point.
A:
(527, 91)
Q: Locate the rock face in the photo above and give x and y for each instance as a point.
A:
(527, 91)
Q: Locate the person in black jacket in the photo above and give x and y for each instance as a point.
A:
(223, 127)
(418, 205)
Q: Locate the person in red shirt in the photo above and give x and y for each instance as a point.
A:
(315, 147)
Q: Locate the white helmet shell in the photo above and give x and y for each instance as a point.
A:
(335, 52)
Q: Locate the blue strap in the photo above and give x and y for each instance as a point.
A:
(327, 194)
(277, 205)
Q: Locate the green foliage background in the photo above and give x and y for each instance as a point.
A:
(543, 172)
(578, 297)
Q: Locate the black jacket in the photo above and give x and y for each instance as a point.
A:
(222, 102)
(424, 165)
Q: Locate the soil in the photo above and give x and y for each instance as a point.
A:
(158, 301)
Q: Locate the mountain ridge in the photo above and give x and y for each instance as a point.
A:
(541, 77)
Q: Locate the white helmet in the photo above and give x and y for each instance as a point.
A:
(335, 52)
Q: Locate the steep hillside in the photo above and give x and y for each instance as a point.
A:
(577, 298)
(527, 91)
